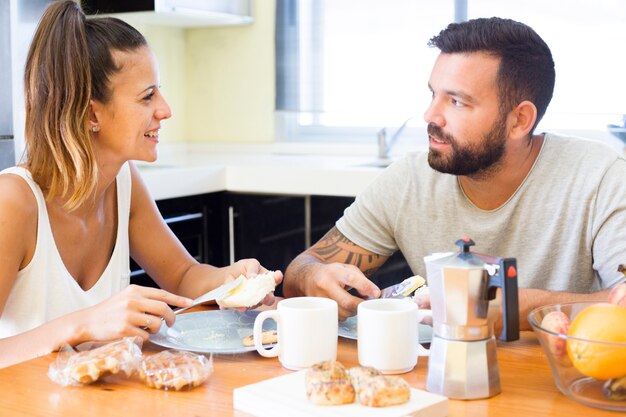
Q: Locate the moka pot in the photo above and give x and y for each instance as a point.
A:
(463, 362)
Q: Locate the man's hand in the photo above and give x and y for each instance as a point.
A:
(423, 303)
(335, 280)
(332, 267)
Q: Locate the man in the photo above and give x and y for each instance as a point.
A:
(556, 204)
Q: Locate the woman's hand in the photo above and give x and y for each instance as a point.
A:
(250, 268)
(134, 311)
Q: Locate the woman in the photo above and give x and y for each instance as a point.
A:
(74, 211)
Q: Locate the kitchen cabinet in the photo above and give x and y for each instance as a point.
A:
(178, 13)
(270, 228)
(223, 227)
(195, 220)
(275, 229)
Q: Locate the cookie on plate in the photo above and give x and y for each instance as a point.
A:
(267, 338)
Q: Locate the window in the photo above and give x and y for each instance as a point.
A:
(346, 68)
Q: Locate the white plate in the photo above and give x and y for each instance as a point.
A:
(348, 328)
(215, 331)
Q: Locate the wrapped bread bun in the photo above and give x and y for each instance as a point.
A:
(87, 366)
(250, 292)
(175, 370)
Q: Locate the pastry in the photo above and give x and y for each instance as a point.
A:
(267, 338)
(90, 365)
(361, 374)
(383, 391)
(249, 293)
(172, 369)
(326, 370)
(327, 383)
(331, 392)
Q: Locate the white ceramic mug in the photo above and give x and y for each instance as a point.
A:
(307, 331)
(387, 334)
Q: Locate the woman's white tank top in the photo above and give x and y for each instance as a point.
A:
(44, 289)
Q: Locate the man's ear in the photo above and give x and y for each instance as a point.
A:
(522, 119)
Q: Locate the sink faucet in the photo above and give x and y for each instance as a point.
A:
(384, 146)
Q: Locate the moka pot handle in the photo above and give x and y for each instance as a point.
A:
(506, 280)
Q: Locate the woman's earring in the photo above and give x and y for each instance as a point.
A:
(95, 129)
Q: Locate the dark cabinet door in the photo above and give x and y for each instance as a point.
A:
(269, 228)
(196, 222)
(218, 228)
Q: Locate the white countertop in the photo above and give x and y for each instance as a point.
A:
(292, 169)
(331, 169)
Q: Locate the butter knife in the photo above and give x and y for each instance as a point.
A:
(404, 288)
(213, 294)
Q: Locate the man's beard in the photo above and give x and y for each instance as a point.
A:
(475, 160)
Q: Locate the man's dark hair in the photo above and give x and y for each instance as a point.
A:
(526, 66)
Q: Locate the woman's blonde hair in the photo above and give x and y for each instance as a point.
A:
(69, 63)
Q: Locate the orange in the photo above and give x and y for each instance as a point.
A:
(601, 322)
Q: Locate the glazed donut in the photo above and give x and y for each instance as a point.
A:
(327, 383)
(176, 370)
(383, 391)
(361, 374)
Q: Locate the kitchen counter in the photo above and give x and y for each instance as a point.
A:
(294, 169)
(304, 168)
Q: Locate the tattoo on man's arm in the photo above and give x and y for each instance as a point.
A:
(334, 243)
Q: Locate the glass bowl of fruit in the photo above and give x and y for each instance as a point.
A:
(585, 344)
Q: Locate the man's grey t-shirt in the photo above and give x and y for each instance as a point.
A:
(565, 224)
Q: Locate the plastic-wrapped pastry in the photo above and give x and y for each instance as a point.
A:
(173, 369)
(84, 367)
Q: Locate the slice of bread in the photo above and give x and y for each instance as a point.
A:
(249, 293)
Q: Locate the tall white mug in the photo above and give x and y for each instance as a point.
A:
(307, 331)
(387, 334)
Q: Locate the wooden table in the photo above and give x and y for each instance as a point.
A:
(25, 390)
